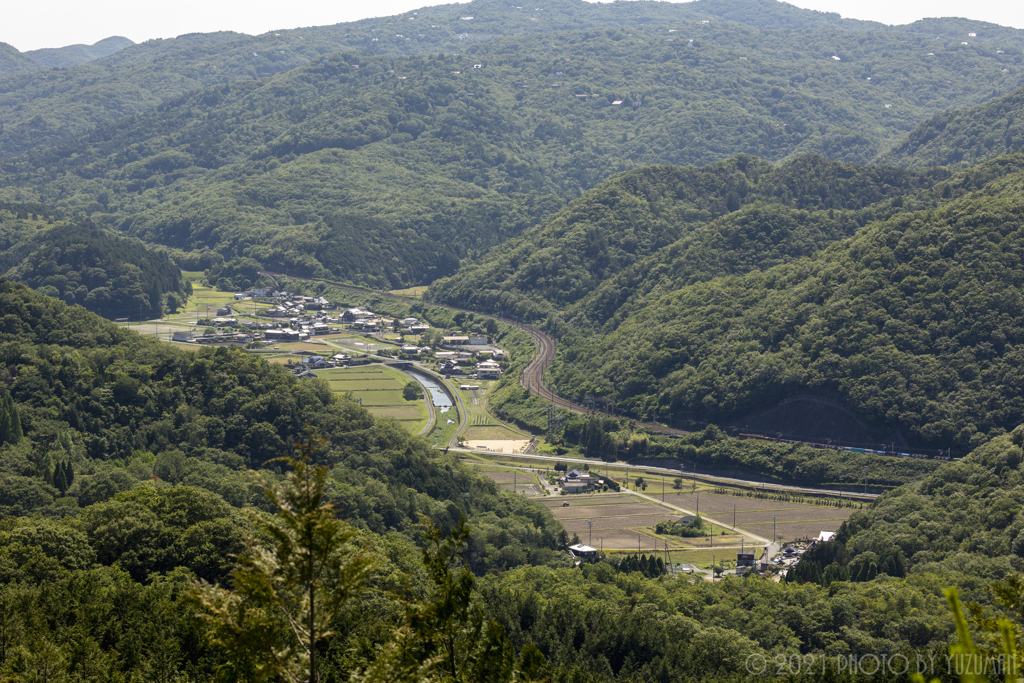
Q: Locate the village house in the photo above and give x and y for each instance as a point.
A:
(488, 369)
(449, 368)
(575, 481)
(285, 335)
(583, 553)
(350, 315)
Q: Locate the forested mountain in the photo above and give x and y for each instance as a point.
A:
(80, 263)
(964, 521)
(964, 135)
(14, 62)
(914, 323)
(390, 170)
(137, 78)
(73, 55)
(656, 229)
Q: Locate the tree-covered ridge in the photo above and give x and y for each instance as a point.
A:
(135, 78)
(14, 62)
(73, 55)
(268, 169)
(83, 264)
(962, 520)
(915, 322)
(650, 231)
(964, 135)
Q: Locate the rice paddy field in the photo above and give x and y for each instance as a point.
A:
(624, 522)
(380, 389)
(510, 479)
(792, 520)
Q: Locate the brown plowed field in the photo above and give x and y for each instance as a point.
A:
(793, 520)
(717, 504)
(586, 511)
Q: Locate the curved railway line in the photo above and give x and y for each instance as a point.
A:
(533, 378)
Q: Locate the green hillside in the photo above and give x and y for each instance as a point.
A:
(964, 135)
(14, 62)
(913, 322)
(73, 55)
(653, 230)
(962, 521)
(121, 408)
(125, 482)
(113, 276)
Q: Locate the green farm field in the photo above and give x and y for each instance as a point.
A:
(380, 389)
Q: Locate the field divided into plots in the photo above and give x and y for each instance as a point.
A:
(380, 389)
(792, 520)
(510, 479)
(622, 522)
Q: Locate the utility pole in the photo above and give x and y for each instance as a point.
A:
(865, 481)
(773, 528)
(698, 503)
(590, 538)
(734, 514)
(514, 489)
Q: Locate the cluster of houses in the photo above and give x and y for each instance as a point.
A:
(297, 306)
(472, 356)
(369, 322)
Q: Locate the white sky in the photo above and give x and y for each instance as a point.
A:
(32, 24)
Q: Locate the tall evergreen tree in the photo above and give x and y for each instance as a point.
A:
(59, 480)
(69, 473)
(10, 421)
